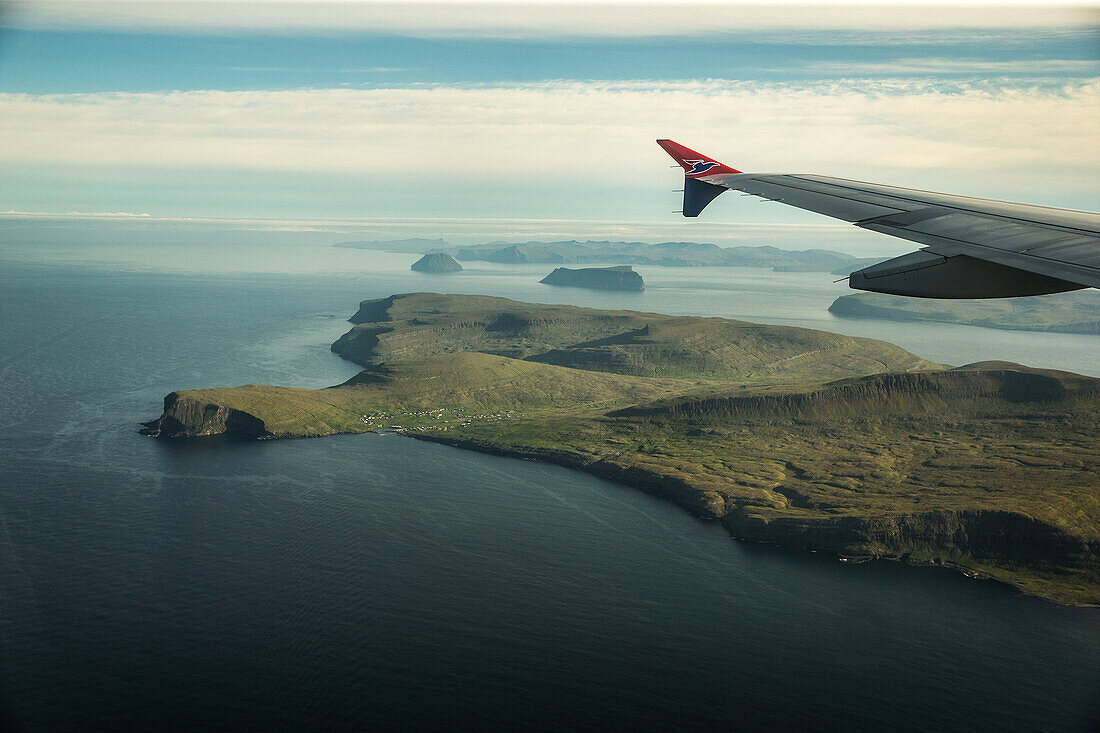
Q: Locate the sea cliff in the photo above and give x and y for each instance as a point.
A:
(185, 416)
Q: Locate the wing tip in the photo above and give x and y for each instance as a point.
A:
(695, 164)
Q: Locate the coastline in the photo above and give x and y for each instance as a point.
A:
(680, 494)
(862, 450)
(656, 486)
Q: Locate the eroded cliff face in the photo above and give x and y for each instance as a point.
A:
(183, 418)
(997, 537)
(697, 501)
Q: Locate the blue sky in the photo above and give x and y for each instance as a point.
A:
(352, 111)
(98, 61)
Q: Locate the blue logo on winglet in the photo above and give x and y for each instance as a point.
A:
(700, 166)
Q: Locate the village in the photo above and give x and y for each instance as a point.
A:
(439, 419)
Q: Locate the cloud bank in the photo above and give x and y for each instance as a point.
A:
(601, 133)
(541, 19)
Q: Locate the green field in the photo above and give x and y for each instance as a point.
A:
(785, 435)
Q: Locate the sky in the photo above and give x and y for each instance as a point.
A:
(532, 112)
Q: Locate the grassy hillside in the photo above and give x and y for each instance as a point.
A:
(415, 325)
(990, 467)
(466, 383)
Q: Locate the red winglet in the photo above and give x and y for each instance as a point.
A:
(696, 165)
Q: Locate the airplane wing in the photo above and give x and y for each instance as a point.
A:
(971, 247)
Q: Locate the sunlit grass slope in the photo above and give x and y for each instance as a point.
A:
(624, 342)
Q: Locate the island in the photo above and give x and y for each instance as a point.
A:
(667, 254)
(436, 262)
(618, 277)
(1073, 312)
(784, 435)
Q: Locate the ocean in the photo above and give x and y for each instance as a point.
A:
(378, 582)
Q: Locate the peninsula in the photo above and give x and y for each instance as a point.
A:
(619, 277)
(1074, 312)
(784, 435)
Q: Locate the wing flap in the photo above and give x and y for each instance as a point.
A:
(1082, 250)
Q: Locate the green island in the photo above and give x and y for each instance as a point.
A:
(618, 277)
(1073, 312)
(785, 435)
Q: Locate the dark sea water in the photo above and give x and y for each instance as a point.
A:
(366, 582)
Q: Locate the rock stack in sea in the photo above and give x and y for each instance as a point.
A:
(437, 262)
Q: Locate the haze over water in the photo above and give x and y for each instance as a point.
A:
(359, 581)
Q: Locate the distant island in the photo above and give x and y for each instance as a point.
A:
(436, 262)
(617, 277)
(413, 245)
(785, 435)
(1073, 312)
(668, 254)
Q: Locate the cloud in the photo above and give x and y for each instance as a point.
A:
(72, 215)
(1046, 68)
(284, 69)
(539, 20)
(598, 133)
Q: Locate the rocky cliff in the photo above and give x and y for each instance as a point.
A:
(184, 417)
